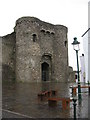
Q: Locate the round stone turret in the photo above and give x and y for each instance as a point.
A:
(41, 50)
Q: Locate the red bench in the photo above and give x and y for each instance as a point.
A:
(45, 94)
(75, 87)
(65, 102)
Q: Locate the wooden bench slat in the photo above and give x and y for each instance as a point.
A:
(80, 86)
(60, 99)
(48, 92)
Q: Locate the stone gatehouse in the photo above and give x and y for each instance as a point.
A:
(36, 51)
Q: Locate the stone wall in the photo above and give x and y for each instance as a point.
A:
(8, 56)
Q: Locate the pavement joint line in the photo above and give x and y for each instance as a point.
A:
(16, 113)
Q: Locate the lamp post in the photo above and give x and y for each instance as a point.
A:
(76, 48)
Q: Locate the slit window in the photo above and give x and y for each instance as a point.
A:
(34, 37)
(65, 43)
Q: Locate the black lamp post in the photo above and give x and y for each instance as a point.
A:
(76, 48)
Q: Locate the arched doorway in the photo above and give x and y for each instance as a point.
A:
(45, 71)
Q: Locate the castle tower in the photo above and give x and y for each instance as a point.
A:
(41, 51)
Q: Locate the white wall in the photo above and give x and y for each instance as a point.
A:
(82, 61)
(89, 41)
(85, 47)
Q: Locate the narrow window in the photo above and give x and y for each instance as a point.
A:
(34, 37)
(65, 43)
(45, 71)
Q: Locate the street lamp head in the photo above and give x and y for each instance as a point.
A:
(76, 44)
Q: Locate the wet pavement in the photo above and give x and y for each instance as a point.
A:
(20, 100)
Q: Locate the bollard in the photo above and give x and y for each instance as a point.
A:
(88, 83)
(89, 90)
(74, 104)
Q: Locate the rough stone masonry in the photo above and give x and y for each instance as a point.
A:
(36, 51)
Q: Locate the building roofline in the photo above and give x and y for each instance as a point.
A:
(85, 32)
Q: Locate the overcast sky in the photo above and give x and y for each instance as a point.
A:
(71, 13)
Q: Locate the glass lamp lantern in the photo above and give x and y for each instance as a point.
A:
(76, 44)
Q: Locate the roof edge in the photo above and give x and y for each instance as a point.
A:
(85, 32)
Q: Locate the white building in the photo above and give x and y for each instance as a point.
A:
(82, 60)
(86, 46)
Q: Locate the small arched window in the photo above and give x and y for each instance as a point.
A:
(52, 33)
(47, 32)
(34, 37)
(43, 31)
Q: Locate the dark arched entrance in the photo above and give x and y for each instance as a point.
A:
(45, 71)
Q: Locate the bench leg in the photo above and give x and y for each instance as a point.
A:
(54, 92)
(41, 97)
(65, 104)
(52, 103)
(49, 94)
(46, 94)
(89, 90)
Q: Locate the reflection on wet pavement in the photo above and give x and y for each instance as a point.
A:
(22, 98)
